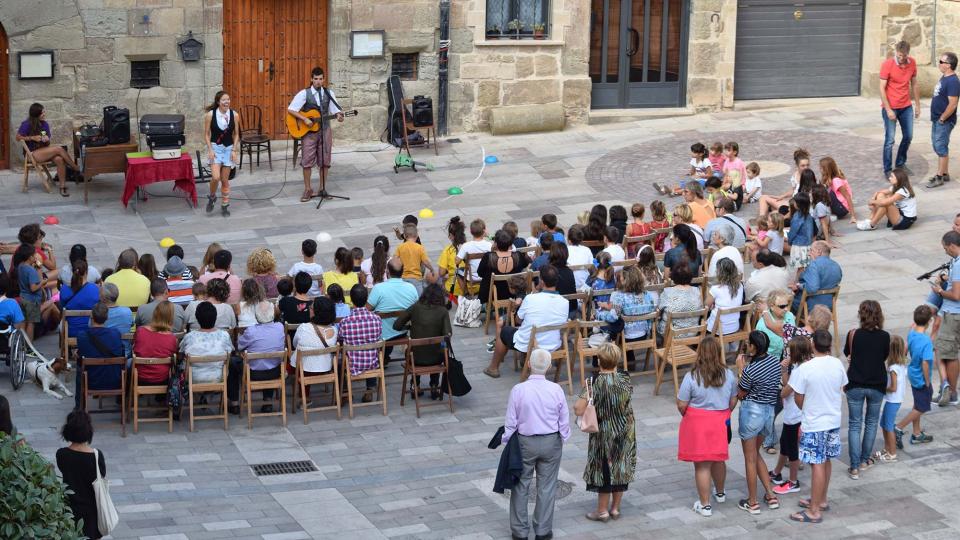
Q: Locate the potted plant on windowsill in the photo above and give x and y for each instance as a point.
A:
(538, 31)
(514, 27)
(493, 32)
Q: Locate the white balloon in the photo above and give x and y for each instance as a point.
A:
(324, 237)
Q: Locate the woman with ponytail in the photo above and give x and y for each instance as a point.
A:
(456, 232)
(684, 246)
(79, 294)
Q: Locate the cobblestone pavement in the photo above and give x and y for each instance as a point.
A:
(398, 476)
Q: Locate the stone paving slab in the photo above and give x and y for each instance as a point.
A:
(398, 476)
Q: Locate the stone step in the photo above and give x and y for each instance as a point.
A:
(615, 116)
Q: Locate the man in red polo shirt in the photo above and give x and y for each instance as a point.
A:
(898, 81)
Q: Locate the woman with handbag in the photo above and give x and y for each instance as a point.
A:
(427, 318)
(612, 452)
(78, 464)
(707, 396)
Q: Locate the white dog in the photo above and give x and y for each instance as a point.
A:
(45, 373)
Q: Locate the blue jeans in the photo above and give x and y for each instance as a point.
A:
(861, 449)
(940, 135)
(905, 117)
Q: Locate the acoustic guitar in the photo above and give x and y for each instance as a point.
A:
(298, 129)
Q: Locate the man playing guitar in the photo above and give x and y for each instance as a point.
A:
(315, 97)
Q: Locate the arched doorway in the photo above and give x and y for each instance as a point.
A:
(4, 101)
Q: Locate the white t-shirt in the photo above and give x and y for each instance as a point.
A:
(700, 167)
(908, 204)
(730, 322)
(616, 255)
(541, 309)
(791, 413)
(726, 252)
(314, 269)
(577, 255)
(470, 248)
(897, 395)
(821, 380)
(754, 183)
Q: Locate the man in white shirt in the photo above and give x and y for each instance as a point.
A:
(544, 308)
(818, 389)
(315, 97)
(578, 254)
(309, 250)
(479, 244)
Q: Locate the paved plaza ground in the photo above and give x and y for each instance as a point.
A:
(398, 476)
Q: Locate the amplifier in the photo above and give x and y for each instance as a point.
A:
(166, 141)
(422, 111)
(166, 153)
(161, 124)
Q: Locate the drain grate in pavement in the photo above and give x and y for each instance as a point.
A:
(564, 489)
(283, 467)
(453, 140)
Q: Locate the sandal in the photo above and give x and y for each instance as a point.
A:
(805, 503)
(772, 501)
(614, 514)
(869, 462)
(307, 195)
(490, 373)
(803, 517)
(64, 192)
(593, 516)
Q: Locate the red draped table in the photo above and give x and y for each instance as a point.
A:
(142, 171)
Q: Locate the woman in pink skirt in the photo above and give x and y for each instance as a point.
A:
(707, 395)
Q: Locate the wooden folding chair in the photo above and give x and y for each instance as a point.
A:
(592, 244)
(560, 354)
(374, 373)
(533, 251)
(302, 381)
(250, 386)
(666, 231)
(591, 302)
(137, 389)
(701, 283)
(620, 265)
(583, 303)
(120, 392)
(584, 350)
(834, 297)
(29, 162)
(408, 126)
(467, 285)
(631, 244)
(395, 342)
(648, 344)
(741, 334)
(213, 387)
(679, 350)
(69, 344)
(495, 303)
(411, 369)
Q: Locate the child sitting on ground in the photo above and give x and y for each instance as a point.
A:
(820, 201)
(753, 188)
(798, 351)
(920, 374)
(715, 190)
(896, 388)
(717, 159)
(734, 172)
(658, 211)
(700, 170)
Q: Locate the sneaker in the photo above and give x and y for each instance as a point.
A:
(936, 181)
(703, 510)
(887, 457)
(787, 487)
(776, 478)
(210, 202)
(661, 189)
(944, 398)
(720, 497)
(921, 438)
(898, 433)
(492, 345)
(945, 177)
(865, 225)
(752, 509)
(854, 474)
(225, 210)
(954, 399)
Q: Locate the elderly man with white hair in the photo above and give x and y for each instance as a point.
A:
(537, 413)
(722, 239)
(265, 336)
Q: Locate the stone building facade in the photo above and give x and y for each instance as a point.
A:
(95, 41)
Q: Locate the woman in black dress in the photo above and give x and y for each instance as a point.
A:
(77, 468)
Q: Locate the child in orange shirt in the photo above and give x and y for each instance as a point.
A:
(414, 257)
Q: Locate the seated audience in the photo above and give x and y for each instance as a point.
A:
(78, 295)
(222, 260)
(822, 273)
(361, 327)
(681, 297)
(428, 317)
(251, 294)
(265, 336)
(335, 293)
(725, 208)
(897, 203)
(630, 299)
(578, 254)
(320, 333)
(392, 295)
(205, 339)
(769, 273)
(77, 252)
(262, 266)
(723, 240)
(502, 260)
(156, 340)
(308, 249)
(218, 292)
(727, 293)
(179, 278)
(159, 292)
(342, 273)
(98, 341)
(295, 309)
(134, 288)
(685, 247)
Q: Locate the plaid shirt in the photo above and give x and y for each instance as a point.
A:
(361, 327)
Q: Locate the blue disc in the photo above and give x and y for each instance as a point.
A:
(491, 159)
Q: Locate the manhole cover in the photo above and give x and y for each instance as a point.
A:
(564, 489)
(283, 467)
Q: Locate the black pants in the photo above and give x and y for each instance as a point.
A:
(387, 351)
(235, 376)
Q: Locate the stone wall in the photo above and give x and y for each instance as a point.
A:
(94, 41)
(710, 57)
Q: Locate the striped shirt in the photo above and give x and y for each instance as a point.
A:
(179, 290)
(761, 380)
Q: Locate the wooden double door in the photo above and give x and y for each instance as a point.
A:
(269, 48)
(5, 112)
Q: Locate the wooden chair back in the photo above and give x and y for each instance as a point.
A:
(679, 345)
(583, 303)
(137, 389)
(251, 120)
(834, 298)
(631, 244)
(592, 244)
(411, 369)
(68, 344)
(250, 386)
(30, 162)
(584, 350)
(562, 353)
(214, 387)
(648, 344)
(745, 313)
(495, 303)
(374, 373)
(120, 392)
(303, 381)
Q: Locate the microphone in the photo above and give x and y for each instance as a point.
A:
(940, 268)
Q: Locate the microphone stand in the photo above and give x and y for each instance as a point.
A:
(324, 195)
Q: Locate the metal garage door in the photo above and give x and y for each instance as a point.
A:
(788, 49)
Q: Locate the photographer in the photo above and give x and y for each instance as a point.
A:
(946, 297)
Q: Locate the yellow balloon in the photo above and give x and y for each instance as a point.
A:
(166, 242)
(426, 213)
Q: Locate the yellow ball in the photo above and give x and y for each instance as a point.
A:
(426, 213)
(166, 242)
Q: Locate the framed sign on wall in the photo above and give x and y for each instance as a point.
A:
(367, 43)
(35, 65)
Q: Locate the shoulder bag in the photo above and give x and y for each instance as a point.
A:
(588, 422)
(107, 517)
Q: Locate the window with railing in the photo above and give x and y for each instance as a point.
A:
(518, 19)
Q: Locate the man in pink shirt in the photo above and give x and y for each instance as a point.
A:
(221, 269)
(898, 81)
(537, 413)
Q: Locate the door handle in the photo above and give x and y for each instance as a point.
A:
(271, 71)
(634, 42)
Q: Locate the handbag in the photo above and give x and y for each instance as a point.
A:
(468, 312)
(588, 422)
(107, 517)
(459, 385)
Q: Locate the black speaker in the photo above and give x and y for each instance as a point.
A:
(422, 111)
(116, 124)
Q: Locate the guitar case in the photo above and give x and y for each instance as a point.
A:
(394, 114)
